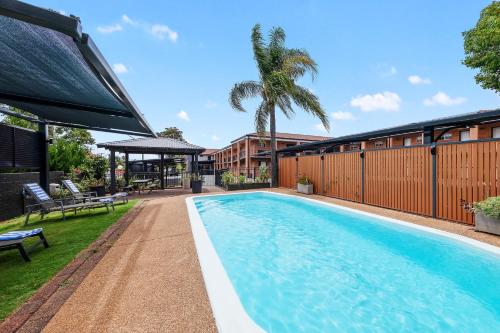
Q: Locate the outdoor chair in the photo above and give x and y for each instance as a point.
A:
(45, 204)
(155, 185)
(14, 240)
(90, 196)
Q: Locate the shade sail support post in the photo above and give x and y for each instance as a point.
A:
(126, 170)
(112, 165)
(43, 130)
(162, 171)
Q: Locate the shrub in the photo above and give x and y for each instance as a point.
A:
(228, 178)
(489, 207)
(304, 180)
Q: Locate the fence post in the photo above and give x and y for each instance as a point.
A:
(362, 156)
(296, 170)
(434, 179)
(322, 174)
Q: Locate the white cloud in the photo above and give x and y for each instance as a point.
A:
(183, 115)
(108, 29)
(387, 101)
(320, 127)
(129, 21)
(341, 115)
(443, 99)
(215, 138)
(120, 68)
(210, 104)
(417, 80)
(386, 70)
(161, 30)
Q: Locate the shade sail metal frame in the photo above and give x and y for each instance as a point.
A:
(71, 26)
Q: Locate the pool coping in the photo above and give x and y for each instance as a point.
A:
(230, 316)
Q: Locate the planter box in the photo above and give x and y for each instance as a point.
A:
(306, 189)
(487, 224)
(196, 186)
(100, 190)
(249, 186)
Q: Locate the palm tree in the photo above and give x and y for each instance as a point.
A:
(279, 68)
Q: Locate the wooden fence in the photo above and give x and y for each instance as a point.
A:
(439, 180)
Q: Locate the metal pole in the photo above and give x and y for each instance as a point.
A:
(43, 130)
(434, 179)
(162, 174)
(322, 174)
(112, 166)
(362, 155)
(126, 169)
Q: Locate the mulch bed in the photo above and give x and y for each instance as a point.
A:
(35, 314)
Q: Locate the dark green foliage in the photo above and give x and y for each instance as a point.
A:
(482, 48)
(172, 132)
(65, 155)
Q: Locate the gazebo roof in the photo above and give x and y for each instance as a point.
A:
(153, 146)
(53, 70)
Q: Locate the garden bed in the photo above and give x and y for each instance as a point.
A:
(246, 186)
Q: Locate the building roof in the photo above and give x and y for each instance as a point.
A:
(210, 151)
(53, 70)
(467, 119)
(153, 145)
(286, 136)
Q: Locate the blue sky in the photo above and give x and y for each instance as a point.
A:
(381, 63)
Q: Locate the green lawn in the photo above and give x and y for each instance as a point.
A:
(19, 280)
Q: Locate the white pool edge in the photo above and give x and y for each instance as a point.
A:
(230, 316)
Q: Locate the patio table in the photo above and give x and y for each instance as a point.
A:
(141, 183)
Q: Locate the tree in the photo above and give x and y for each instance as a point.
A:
(279, 68)
(15, 121)
(65, 155)
(81, 136)
(482, 48)
(171, 132)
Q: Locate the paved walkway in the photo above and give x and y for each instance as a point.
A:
(149, 281)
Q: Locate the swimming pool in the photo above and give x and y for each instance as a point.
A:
(287, 264)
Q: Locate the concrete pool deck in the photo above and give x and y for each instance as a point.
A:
(150, 280)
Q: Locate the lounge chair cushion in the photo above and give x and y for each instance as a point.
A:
(71, 186)
(38, 192)
(21, 234)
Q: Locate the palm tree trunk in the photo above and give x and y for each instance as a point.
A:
(274, 157)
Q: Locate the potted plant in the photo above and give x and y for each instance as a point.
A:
(196, 183)
(97, 186)
(487, 214)
(304, 185)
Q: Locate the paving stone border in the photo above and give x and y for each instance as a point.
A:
(35, 314)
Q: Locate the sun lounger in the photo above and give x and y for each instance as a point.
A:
(14, 240)
(90, 196)
(45, 204)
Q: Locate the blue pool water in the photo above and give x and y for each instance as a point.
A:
(301, 266)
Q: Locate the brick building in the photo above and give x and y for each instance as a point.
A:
(247, 153)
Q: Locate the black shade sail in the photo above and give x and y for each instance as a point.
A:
(51, 69)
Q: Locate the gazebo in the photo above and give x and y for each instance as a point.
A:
(158, 146)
